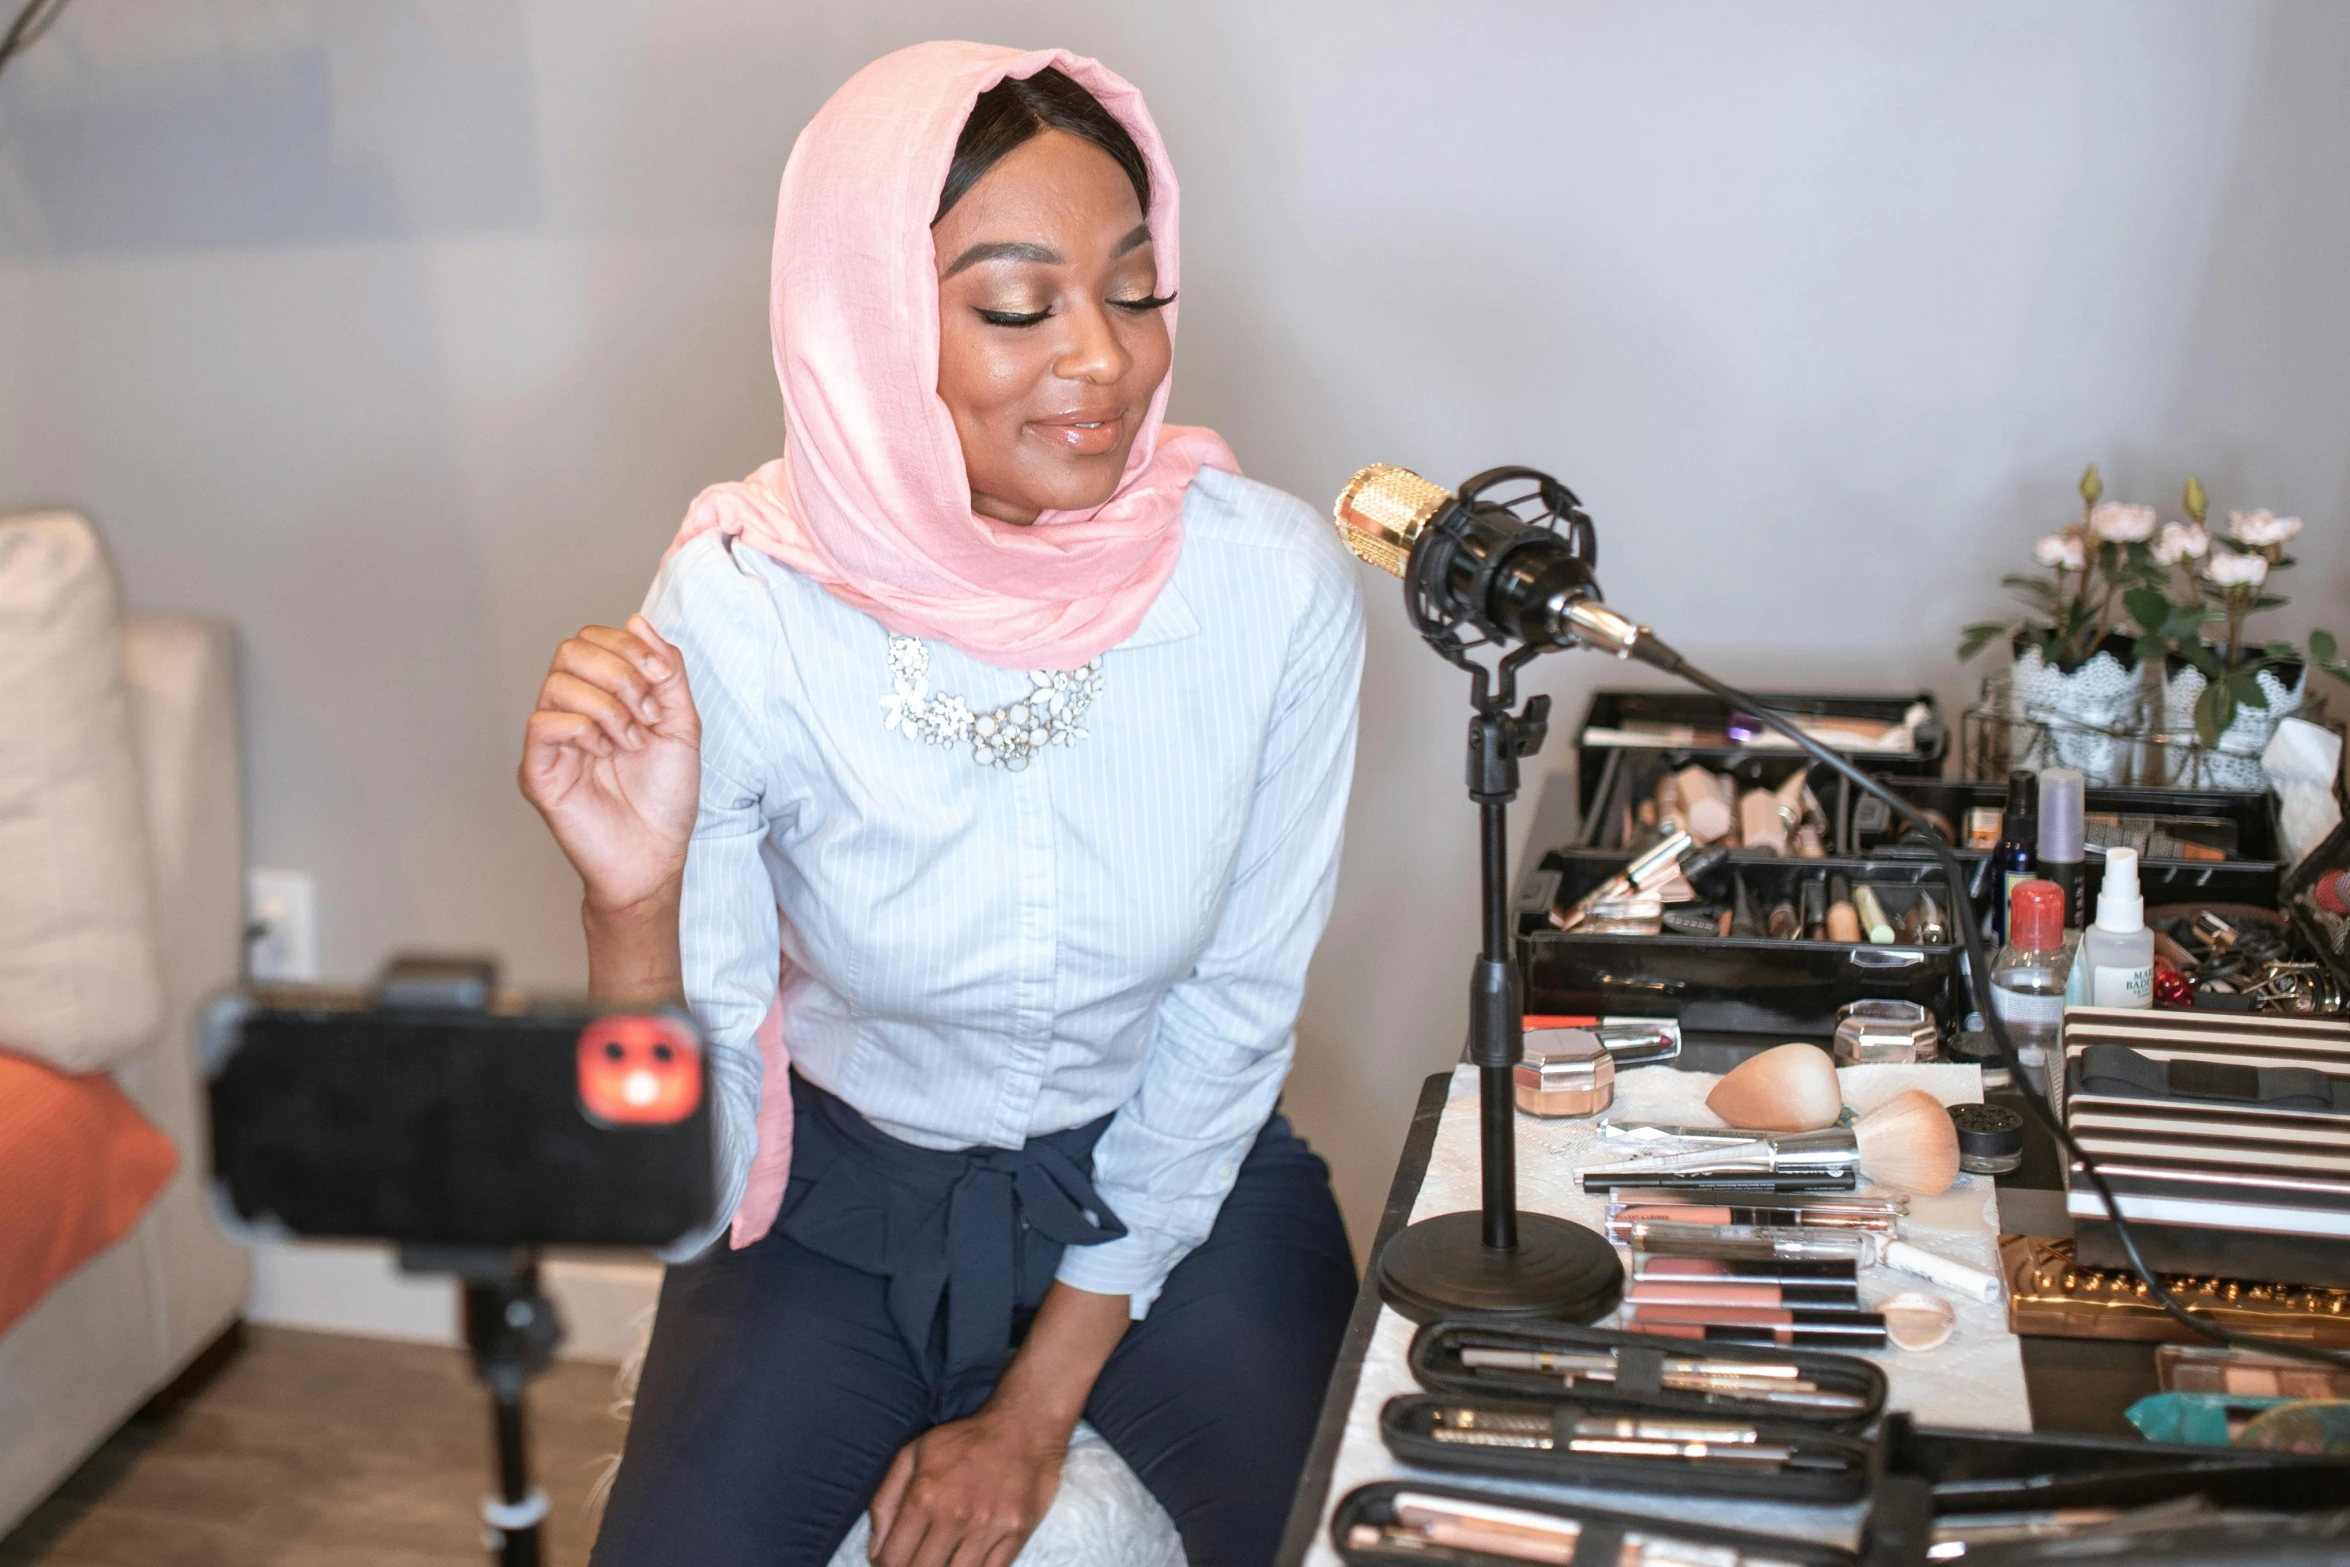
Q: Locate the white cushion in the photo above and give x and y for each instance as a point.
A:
(80, 984)
(1101, 1515)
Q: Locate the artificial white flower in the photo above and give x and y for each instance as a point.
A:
(2061, 550)
(2179, 541)
(2257, 528)
(2230, 569)
(2122, 524)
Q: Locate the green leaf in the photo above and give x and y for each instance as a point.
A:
(2033, 590)
(2152, 645)
(2244, 686)
(2215, 709)
(2149, 608)
(2202, 658)
(1977, 637)
(2186, 620)
(2281, 651)
(2268, 601)
(2324, 653)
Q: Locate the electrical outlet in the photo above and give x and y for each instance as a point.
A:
(281, 927)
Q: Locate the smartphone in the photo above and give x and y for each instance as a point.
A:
(469, 1120)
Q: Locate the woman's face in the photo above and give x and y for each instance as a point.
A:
(1050, 337)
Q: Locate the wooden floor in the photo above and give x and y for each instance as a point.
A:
(320, 1450)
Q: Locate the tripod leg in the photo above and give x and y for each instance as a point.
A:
(511, 1519)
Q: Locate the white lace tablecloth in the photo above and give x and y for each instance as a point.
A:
(1977, 1379)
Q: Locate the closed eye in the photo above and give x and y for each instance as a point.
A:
(1147, 302)
(1013, 317)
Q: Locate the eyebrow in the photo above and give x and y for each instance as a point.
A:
(1044, 255)
(1005, 250)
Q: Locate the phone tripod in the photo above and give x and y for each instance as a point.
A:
(512, 1330)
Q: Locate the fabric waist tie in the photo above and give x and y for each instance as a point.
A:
(984, 1227)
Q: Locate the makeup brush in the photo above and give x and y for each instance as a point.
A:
(1668, 806)
(1760, 826)
(1908, 1143)
(1843, 923)
(1790, 1088)
(1869, 910)
(1704, 810)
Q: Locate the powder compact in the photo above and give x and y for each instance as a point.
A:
(1565, 1071)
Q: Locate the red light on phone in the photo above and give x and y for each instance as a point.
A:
(636, 1070)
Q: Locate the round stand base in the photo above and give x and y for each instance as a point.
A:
(1441, 1267)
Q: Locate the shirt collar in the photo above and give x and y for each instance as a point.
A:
(1169, 619)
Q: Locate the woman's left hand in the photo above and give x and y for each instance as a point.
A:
(969, 1492)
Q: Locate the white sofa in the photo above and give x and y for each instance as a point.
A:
(110, 1335)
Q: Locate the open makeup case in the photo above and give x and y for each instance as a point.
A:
(2224, 1126)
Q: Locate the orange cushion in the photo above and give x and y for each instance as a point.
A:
(78, 1165)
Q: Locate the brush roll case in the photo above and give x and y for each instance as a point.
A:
(1600, 1542)
(1766, 985)
(1435, 1360)
(1825, 1467)
(1929, 1474)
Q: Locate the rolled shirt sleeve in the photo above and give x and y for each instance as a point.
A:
(1226, 1033)
(721, 620)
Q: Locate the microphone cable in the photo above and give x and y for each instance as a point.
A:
(1649, 650)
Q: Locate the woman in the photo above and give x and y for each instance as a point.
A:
(1043, 936)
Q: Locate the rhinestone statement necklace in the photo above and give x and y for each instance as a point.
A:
(1004, 737)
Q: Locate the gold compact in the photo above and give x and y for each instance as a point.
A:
(1565, 1071)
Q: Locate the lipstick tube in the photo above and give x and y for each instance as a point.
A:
(1774, 1337)
(1754, 1270)
(1813, 1296)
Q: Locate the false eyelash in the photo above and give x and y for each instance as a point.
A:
(1031, 317)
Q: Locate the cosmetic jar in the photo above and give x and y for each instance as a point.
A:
(1565, 1071)
(1990, 1138)
(1868, 1032)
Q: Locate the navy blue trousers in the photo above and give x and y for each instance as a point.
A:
(778, 1387)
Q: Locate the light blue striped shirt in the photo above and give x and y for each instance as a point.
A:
(980, 956)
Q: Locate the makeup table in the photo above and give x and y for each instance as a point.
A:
(1986, 1378)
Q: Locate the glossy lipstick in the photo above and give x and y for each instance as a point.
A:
(1086, 432)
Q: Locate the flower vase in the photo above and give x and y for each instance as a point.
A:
(2091, 716)
(2235, 762)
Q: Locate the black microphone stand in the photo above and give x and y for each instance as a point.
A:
(1498, 1261)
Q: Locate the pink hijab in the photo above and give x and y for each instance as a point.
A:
(870, 498)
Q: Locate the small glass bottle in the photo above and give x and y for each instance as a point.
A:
(2027, 983)
(2016, 859)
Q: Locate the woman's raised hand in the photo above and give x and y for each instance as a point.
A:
(613, 761)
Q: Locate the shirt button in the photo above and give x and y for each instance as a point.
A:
(1227, 1170)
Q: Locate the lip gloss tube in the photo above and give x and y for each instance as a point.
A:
(1646, 1293)
(1761, 1317)
(1744, 1223)
(1775, 1337)
(1843, 1245)
(1764, 1269)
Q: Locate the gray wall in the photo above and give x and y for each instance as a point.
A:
(400, 331)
